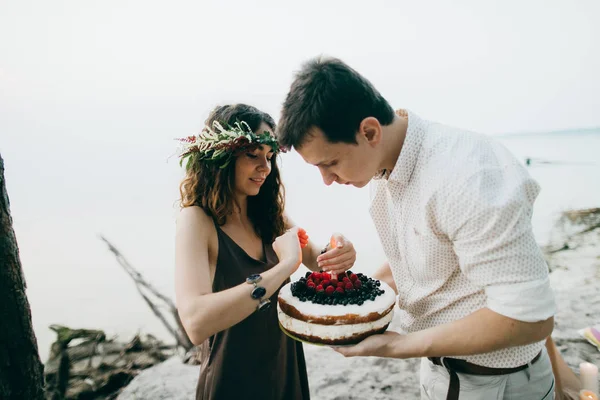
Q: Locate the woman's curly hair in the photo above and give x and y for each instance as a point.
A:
(211, 188)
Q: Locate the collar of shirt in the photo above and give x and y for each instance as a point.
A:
(405, 165)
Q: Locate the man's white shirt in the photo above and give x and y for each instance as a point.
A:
(454, 219)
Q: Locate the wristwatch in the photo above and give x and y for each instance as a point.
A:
(258, 292)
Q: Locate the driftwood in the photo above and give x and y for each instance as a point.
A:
(97, 368)
(588, 216)
(84, 364)
(586, 219)
(143, 286)
(571, 225)
(565, 246)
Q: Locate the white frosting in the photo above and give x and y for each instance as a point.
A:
(308, 309)
(330, 331)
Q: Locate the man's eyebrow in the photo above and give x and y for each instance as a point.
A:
(326, 161)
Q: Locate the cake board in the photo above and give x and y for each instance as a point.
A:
(290, 335)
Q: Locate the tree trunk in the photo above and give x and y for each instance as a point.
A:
(21, 371)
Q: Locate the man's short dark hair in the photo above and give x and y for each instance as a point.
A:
(333, 97)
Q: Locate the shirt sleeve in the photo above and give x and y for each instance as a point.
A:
(489, 222)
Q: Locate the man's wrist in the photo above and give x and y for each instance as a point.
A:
(412, 345)
(421, 343)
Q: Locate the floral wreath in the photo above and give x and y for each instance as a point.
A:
(221, 143)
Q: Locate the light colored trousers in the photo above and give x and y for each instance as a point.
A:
(533, 383)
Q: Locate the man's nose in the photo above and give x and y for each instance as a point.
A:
(328, 179)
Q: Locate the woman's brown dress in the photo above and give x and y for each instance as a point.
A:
(253, 359)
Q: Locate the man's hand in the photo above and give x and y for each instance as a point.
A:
(340, 257)
(377, 346)
(481, 332)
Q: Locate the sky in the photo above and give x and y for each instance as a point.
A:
(487, 65)
(92, 94)
(96, 91)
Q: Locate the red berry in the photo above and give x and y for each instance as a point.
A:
(341, 276)
(325, 282)
(339, 289)
(313, 275)
(353, 277)
(317, 282)
(334, 282)
(319, 288)
(349, 286)
(310, 284)
(340, 284)
(347, 280)
(325, 275)
(357, 284)
(318, 275)
(329, 290)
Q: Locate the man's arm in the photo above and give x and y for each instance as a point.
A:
(384, 273)
(483, 331)
(489, 224)
(480, 332)
(496, 250)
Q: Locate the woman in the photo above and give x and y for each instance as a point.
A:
(233, 254)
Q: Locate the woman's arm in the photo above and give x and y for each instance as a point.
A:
(567, 383)
(336, 260)
(202, 312)
(310, 252)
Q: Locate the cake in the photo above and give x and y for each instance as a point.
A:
(338, 310)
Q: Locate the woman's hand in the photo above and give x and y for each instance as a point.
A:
(303, 237)
(287, 248)
(340, 255)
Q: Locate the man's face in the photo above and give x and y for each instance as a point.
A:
(343, 163)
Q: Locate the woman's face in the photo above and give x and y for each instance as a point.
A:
(253, 167)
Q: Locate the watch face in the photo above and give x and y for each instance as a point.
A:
(258, 292)
(254, 278)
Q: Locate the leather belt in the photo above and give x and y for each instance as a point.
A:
(455, 366)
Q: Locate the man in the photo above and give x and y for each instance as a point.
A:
(453, 212)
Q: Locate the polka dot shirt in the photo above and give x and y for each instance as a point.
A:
(454, 219)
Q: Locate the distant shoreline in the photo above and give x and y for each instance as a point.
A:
(574, 131)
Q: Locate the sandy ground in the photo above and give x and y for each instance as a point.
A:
(575, 277)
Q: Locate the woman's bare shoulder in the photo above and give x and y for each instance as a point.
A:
(196, 219)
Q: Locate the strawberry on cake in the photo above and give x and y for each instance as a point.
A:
(338, 310)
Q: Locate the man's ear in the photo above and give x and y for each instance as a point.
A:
(370, 130)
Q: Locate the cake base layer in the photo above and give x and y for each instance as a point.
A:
(357, 338)
(350, 319)
(332, 334)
